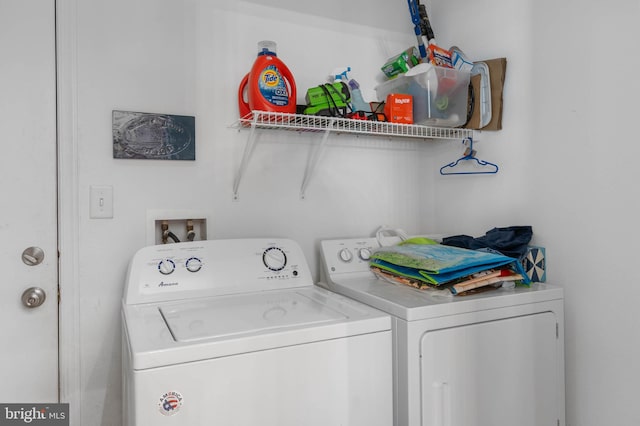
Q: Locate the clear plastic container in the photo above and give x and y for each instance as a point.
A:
(440, 95)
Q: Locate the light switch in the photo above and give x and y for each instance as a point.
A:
(101, 199)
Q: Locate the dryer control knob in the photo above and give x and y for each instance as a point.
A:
(364, 253)
(345, 255)
(166, 266)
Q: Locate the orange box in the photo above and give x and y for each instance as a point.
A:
(399, 108)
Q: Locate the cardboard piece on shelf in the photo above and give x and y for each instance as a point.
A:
(497, 71)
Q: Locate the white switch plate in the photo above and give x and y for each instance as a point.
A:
(101, 199)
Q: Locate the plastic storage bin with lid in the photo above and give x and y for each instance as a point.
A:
(440, 95)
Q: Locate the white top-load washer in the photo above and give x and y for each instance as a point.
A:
(233, 332)
(489, 359)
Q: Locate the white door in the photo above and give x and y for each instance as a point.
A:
(497, 373)
(29, 348)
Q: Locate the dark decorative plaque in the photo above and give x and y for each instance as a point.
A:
(153, 136)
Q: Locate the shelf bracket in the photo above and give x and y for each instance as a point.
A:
(248, 150)
(314, 157)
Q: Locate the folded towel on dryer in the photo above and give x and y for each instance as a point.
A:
(437, 264)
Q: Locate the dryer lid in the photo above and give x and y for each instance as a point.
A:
(226, 317)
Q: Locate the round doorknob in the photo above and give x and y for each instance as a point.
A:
(33, 297)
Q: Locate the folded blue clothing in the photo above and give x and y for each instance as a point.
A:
(511, 241)
(438, 264)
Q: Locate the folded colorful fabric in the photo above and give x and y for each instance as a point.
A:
(436, 263)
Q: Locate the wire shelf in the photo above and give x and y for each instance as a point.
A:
(313, 123)
(326, 126)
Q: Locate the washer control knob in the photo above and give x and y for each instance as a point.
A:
(274, 259)
(345, 255)
(166, 266)
(364, 253)
(193, 264)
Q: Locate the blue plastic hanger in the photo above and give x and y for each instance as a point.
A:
(469, 155)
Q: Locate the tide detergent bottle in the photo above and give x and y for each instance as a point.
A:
(269, 85)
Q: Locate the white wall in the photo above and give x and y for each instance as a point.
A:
(566, 156)
(498, 29)
(569, 157)
(591, 185)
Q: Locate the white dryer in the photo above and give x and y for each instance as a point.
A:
(233, 332)
(488, 359)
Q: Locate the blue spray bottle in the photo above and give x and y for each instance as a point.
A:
(356, 97)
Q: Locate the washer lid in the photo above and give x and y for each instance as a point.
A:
(255, 313)
(170, 333)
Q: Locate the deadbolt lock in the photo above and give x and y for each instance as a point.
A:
(32, 256)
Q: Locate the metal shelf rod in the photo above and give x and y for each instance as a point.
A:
(313, 123)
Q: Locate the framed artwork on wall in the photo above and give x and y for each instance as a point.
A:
(149, 136)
